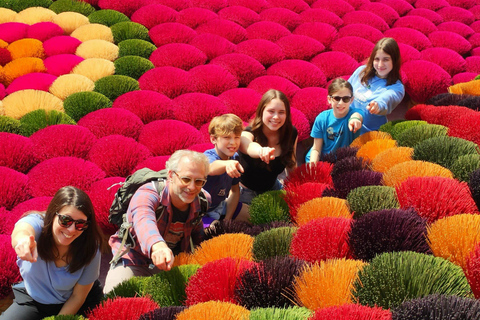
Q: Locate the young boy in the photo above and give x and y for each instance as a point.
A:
(336, 127)
(225, 170)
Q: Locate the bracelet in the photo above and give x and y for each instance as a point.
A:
(355, 118)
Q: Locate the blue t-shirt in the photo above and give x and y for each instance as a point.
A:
(387, 97)
(47, 283)
(333, 131)
(219, 186)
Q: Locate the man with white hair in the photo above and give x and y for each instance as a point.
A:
(177, 229)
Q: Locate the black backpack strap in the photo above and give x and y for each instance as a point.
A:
(159, 185)
(203, 203)
(203, 210)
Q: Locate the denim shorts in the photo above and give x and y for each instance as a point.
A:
(221, 211)
(246, 195)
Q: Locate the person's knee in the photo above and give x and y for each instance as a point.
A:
(246, 196)
(116, 276)
(278, 185)
(16, 311)
(244, 214)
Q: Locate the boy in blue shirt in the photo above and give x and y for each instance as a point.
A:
(225, 170)
(338, 126)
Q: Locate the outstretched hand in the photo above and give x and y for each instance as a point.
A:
(266, 154)
(373, 107)
(354, 125)
(162, 257)
(26, 249)
(234, 169)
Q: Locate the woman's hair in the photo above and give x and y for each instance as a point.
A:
(339, 84)
(390, 47)
(197, 157)
(84, 248)
(285, 132)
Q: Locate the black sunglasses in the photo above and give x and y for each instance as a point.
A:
(186, 181)
(345, 99)
(66, 221)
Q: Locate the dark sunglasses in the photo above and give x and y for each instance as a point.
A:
(66, 221)
(345, 99)
(186, 181)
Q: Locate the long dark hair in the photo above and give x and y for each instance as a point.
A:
(390, 47)
(84, 248)
(285, 133)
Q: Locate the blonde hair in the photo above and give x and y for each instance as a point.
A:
(225, 124)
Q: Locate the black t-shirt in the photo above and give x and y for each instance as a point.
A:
(180, 216)
(177, 227)
(259, 176)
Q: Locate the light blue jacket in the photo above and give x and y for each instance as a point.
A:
(387, 97)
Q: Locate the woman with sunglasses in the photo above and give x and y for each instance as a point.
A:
(377, 86)
(336, 127)
(59, 259)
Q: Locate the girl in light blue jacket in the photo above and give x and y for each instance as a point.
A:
(377, 87)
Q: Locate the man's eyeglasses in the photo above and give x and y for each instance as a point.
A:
(187, 180)
(66, 221)
(345, 99)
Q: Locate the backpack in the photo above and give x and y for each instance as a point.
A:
(123, 196)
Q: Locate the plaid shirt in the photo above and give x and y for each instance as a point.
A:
(147, 231)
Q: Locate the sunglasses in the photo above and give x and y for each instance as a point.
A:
(66, 221)
(186, 181)
(345, 99)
